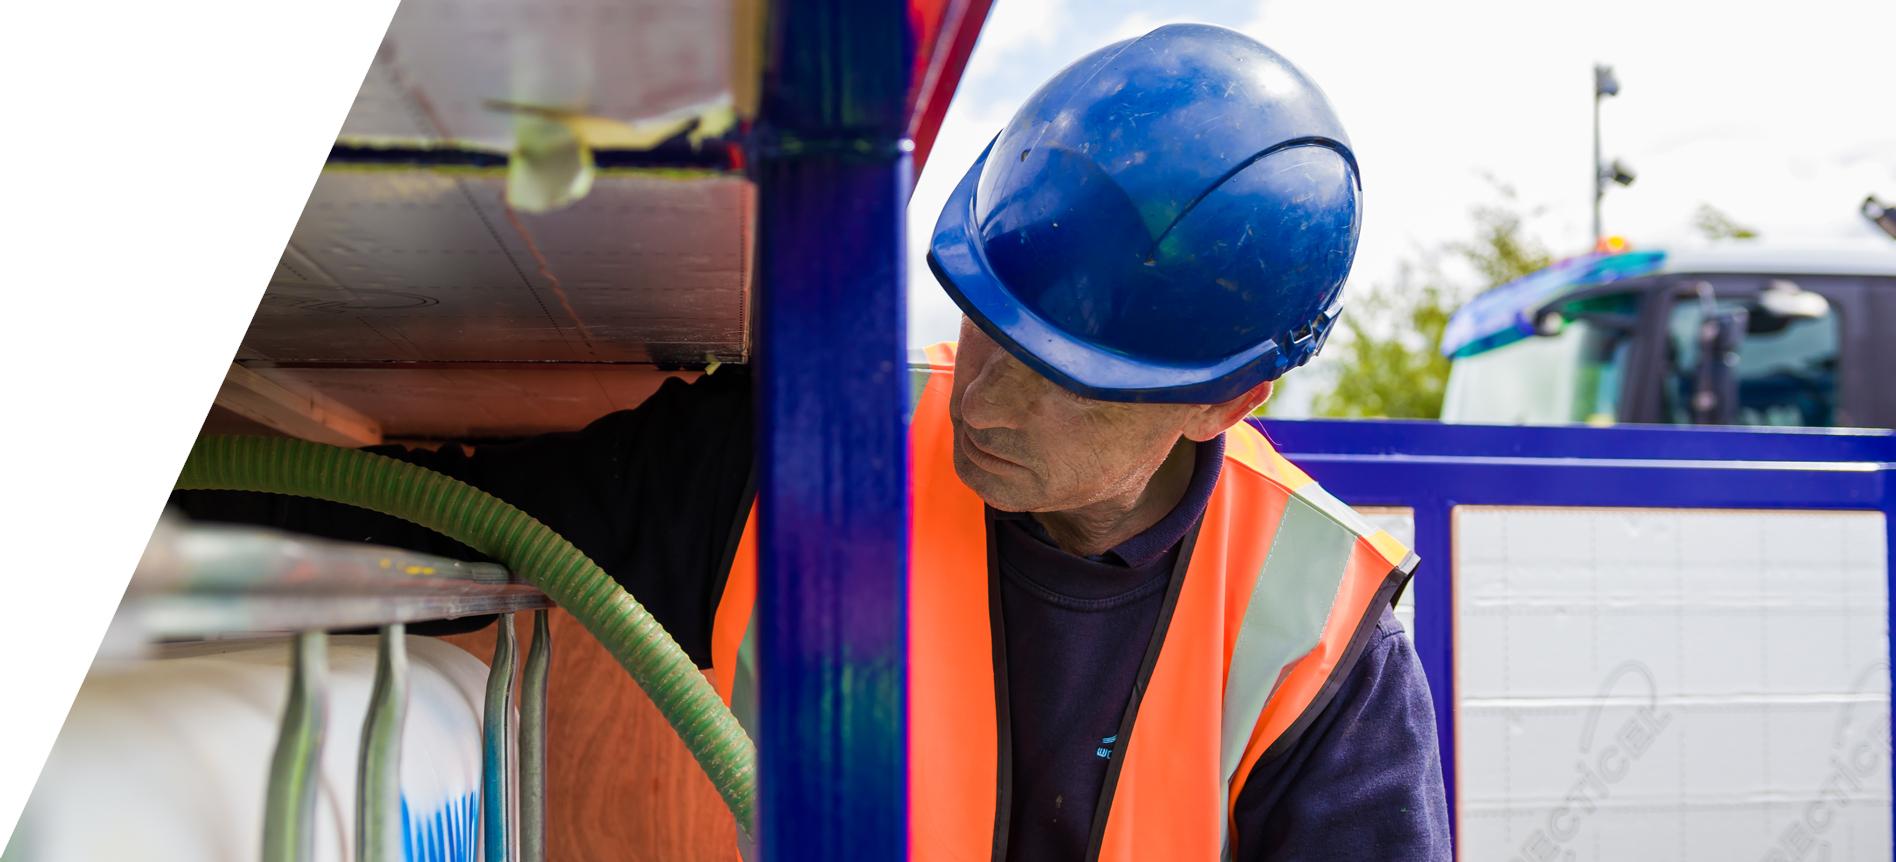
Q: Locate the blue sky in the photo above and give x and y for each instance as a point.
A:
(1779, 114)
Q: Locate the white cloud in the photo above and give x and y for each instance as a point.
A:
(1135, 24)
(1759, 110)
(1012, 26)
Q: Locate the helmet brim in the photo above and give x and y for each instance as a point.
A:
(960, 264)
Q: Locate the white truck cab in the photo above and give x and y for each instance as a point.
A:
(1740, 333)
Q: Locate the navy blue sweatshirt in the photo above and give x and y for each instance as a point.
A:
(1363, 782)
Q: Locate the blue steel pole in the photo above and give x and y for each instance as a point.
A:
(1434, 635)
(832, 167)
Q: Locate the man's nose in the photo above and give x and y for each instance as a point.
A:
(998, 395)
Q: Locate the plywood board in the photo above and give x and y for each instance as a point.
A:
(479, 403)
(620, 784)
(417, 264)
(425, 266)
(294, 409)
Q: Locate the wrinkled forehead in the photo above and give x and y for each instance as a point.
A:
(1029, 391)
(1028, 385)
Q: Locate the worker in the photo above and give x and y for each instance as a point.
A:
(1136, 631)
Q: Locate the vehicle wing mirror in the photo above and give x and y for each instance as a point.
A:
(1784, 299)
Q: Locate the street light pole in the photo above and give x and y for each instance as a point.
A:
(1604, 85)
(1599, 169)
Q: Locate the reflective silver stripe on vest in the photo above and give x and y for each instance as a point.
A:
(1327, 503)
(744, 705)
(744, 678)
(1291, 601)
(1289, 605)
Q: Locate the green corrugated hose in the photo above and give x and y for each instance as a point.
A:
(526, 546)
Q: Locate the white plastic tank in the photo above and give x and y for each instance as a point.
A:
(166, 758)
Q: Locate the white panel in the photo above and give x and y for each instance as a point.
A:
(1641, 684)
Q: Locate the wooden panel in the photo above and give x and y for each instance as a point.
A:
(221, 421)
(478, 402)
(620, 785)
(294, 409)
(419, 265)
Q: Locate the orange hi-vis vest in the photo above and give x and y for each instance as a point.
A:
(1282, 586)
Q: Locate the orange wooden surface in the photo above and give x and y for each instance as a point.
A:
(620, 786)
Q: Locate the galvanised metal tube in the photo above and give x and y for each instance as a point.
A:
(528, 547)
(497, 749)
(533, 742)
(378, 763)
(290, 794)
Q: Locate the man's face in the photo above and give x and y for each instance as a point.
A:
(1026, 445)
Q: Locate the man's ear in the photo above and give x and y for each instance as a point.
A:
(1213, 419)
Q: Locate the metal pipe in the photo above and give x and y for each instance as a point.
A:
(533, 742)
(832, 167)
(491, 526)
(290, 795)
(497, 749)
(378, 764)
(203, 580)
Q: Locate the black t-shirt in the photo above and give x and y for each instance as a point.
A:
(657, 496)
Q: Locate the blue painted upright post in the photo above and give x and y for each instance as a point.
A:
(833, 171)
(1434, 635)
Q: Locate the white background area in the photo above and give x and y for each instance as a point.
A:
(156, 156)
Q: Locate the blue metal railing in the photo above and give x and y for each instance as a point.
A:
(1431, 468)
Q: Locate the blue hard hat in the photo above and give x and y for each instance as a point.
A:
(1169, 219)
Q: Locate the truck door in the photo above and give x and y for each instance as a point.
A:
(1867, 340)
(1796, 364)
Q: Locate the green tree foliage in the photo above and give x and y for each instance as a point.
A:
(1386, 360)
(1390, 365)
(1714, 224)
(1502, 249)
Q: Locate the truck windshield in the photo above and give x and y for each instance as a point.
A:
(1573, 376)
